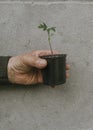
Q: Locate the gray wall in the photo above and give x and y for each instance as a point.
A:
(40, 107)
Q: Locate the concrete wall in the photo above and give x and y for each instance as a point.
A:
(40, 107)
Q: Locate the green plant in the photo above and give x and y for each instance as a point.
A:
(49, 31)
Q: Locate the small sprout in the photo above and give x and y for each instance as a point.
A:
(49, 31)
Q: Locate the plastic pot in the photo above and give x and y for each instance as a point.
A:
(55, 71)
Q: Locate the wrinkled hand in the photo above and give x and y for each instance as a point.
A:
(26, 69)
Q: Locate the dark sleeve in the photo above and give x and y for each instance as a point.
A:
(3, 69)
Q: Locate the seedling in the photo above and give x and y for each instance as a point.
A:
(49, 31)
(55, 71)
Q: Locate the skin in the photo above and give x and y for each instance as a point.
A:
(26, 68)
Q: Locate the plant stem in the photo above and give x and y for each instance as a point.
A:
(50, 43)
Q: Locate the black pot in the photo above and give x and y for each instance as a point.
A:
(55, 71)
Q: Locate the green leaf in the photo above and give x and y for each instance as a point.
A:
(43, 26)
(53, 29)
(40, 26)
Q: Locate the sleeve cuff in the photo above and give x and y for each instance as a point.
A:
(3, 69)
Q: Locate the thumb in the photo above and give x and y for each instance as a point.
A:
(34, 61)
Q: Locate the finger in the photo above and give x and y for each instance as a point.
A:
(43, 52)
(67, 75)
(34, 61)
(67, 66)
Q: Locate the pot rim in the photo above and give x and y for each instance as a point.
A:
(54, 56)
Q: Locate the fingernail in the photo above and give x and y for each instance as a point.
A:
(41, 62)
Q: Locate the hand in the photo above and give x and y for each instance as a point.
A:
(26, 69)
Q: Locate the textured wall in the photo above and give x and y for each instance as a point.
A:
(68, 106)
